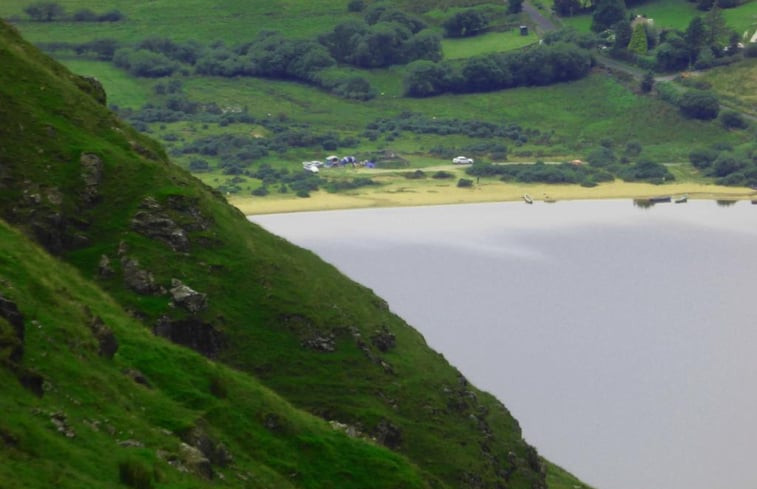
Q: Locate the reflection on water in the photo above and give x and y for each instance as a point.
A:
(622, 338)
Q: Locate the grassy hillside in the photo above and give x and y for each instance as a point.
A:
(143, 408)
(188, 267)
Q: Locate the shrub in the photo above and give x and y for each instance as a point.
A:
(135, 473)
(356, 6)
(464, 183)
(733, 120)
(442, 175)
(198, 165)
(415, 175)
(260, 191)
(45, 11)
(699, 105)
(111, 16)
(85, 15)
(465, 24)
(750, 51)
(702, 158)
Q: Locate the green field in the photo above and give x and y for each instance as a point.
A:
(229, 20)
(492, 42)
(676, 14)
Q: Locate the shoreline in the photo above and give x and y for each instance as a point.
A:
(411, 195)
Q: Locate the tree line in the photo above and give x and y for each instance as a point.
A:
(538, 65)
(52, 11)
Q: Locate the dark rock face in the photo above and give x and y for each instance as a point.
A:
(384, 340)
(104, 336)
(138, 377)
(213, 450)
(187, 298)
(91, 174)
(388, 434)
(15, 341)
(104, 268)
(195, 461)
(191, 332)
(152, 222)
(138, 279)
(93, 87)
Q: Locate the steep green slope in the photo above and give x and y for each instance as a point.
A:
(151, 405)
(191, 268)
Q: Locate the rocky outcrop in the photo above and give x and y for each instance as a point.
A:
(384, 340)
(184, 296)
(12, 332)
(92, 86)
(104, 268)
(91, 174)
(213, 450)
(106, 339)
(151, 221)
(388, 434)
(191, 332)
(138, 279)
(195, 461)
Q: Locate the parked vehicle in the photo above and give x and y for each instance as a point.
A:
(462, 160)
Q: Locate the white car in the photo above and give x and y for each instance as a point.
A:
(462, 160)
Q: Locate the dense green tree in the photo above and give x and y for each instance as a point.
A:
(638, 44)
(425, 78)
(699, 104)
(606, 13)
(514, 6)
(466, 23)
(45, 11)
(703, 158)
(673, 53)
(696, 33)
(483, 74)
(733, 120)
(647, 82)
(623, 34)
(566, 8)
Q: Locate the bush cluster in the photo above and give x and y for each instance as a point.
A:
(727, 165)
(539, 65)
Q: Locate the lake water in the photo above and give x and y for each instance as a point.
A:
(623, 339)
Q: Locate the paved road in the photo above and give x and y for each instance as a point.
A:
(543, 24)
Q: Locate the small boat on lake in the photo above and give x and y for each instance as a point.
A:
(527, 199)
(681, 200)
(661, 199)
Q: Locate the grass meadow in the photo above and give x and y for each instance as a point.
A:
(676, 14)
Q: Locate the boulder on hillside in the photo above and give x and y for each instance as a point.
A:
(12, 332)
(106, 339)
(152, 222)
(191, 332)
(91, 174)
(186, 297)
(138, 279)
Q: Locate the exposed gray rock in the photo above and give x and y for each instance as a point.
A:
(388, 434)
(186, 297)
(215, 451)
(323, 343)
(131, 443)
(91, 174)
(153, 223)
(104, 268)
(138, 279)
(15, 340)
(384, 340)
(191, 332)
(59, 420)
(104, 336)
(138, 377)
(195, 461)
(93, 87)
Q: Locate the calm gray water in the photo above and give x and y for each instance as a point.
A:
(623, 339)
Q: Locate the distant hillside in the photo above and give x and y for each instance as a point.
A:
(177, 263)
